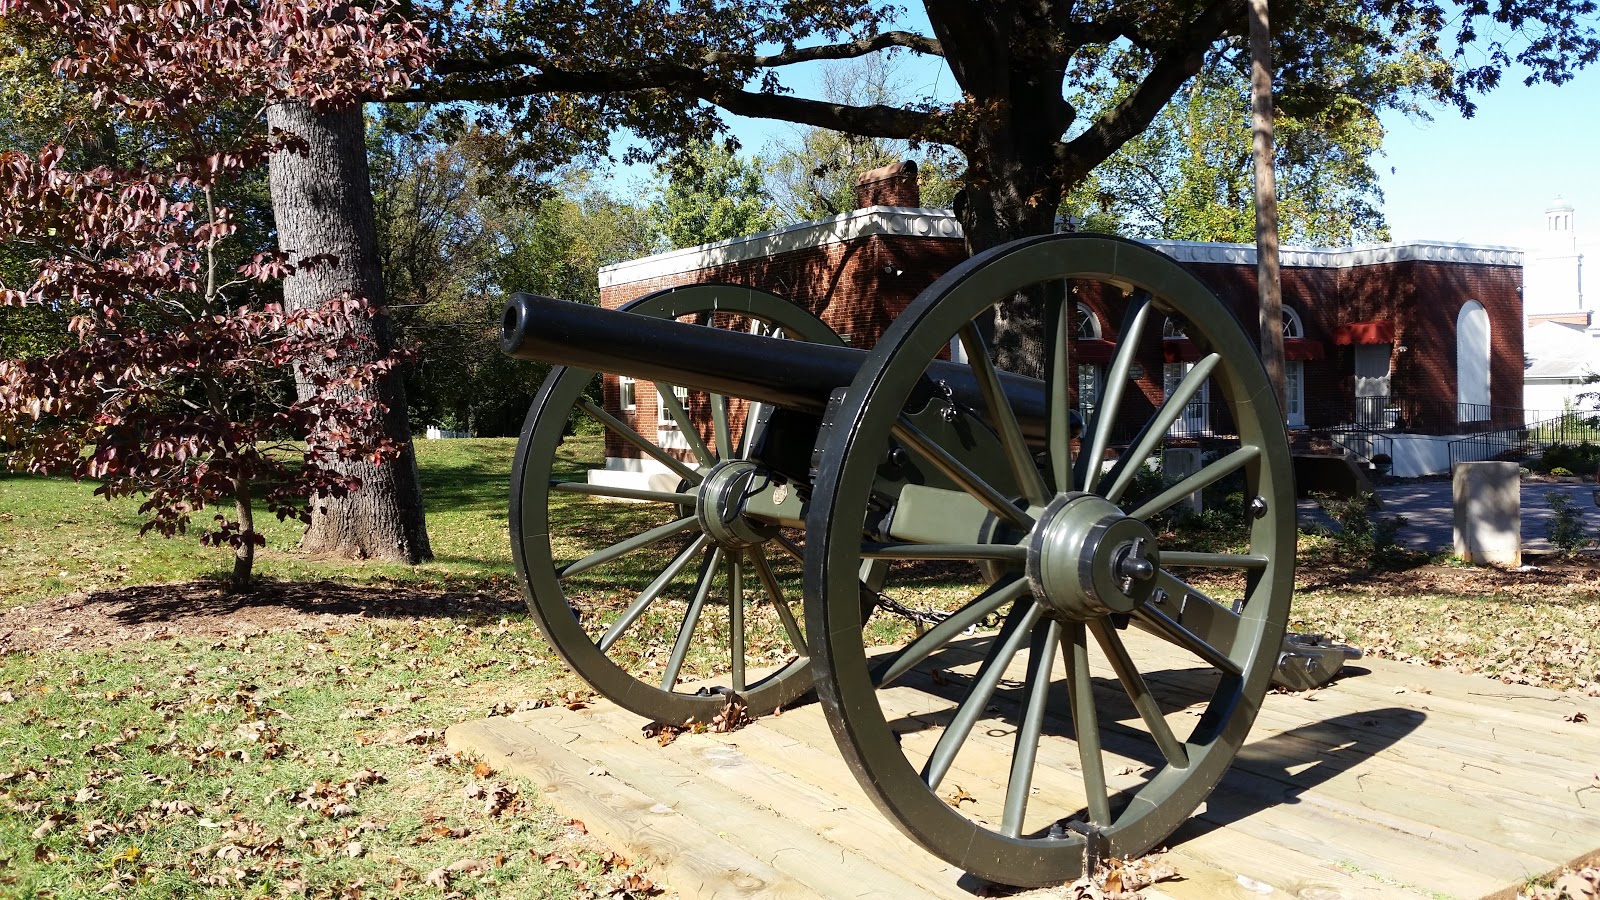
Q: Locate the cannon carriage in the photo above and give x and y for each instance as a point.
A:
(1112, 674)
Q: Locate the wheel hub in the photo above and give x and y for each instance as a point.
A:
(1087, 560)
(723, 495)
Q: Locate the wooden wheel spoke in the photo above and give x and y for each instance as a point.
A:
(644, 539)
(791, 548)
(623, 430)
(651, 593)
(996, 552)
(1041, 658)
(1138, 691)
(769, 582)
(1097, 433)
(691, 434)
(957, 471)
(1155, 430)
(720, 428)
(1007, 590)
(1003, 418)
(1199, 481)
(1085, 724)
(691, 618)
(1173, 558)
(736, 621)
(615, 492)
(1058, 397)
(1006, 644)
(1187, 617)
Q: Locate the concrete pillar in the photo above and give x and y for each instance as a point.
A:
(1177, 464)
(1487, 498)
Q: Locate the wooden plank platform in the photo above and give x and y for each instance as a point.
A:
(1397, 781)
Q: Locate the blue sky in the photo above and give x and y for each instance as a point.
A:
(1484, 180)
(1488, 179)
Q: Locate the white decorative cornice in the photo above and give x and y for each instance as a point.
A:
(939, 223)
(1344, 257)
(850, 226)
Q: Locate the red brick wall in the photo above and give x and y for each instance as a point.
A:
(1423, 299)
(857, 288)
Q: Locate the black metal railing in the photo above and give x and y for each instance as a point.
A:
(1521, 442)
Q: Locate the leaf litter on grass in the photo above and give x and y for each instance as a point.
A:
(226, 764)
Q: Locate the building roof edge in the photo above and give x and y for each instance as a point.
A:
(942, 224)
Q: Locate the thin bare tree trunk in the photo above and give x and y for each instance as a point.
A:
(244, 555)
(1267, 277)
(322, 202)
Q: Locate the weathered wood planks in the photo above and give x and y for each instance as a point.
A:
(1394, 782)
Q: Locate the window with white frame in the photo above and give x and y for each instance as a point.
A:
(627, 393)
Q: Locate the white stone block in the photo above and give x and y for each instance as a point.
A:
(1487, 499)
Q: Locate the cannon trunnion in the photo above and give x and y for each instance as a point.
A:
(808, 490)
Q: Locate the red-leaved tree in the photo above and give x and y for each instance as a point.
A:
(183, 382)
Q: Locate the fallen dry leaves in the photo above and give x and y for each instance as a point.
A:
(1123, 879)
(1579, 884)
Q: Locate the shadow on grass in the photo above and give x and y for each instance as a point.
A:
(208, 608)
(168, 602)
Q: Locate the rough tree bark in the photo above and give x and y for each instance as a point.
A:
(322, 202)
(1267, 276)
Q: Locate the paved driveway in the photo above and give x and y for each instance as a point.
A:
(1427, 508)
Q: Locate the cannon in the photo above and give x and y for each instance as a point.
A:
(1113, 673)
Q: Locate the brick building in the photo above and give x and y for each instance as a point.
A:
(1421, 342)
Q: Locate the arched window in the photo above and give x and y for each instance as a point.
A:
(1195, 418)
(1088, 323)
(1292, 327)
(1294, 373)
(1472, 363)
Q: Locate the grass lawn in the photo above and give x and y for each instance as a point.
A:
(286, 742)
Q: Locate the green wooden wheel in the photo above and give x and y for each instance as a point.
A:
(1034, 718)
(640, 598)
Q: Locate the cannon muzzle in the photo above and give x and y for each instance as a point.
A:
(791, 374)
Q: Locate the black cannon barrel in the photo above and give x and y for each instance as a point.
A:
(791, 374)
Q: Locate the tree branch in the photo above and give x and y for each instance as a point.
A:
(1179, 61)
(510, 59)
(877, 120)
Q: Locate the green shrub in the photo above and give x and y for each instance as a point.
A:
(1560, 471)
(1582, 457)
(1565, 528)
(1363, 536)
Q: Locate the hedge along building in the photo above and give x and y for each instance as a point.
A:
(1397, 348)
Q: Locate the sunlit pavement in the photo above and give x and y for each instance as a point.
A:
(1429, 519)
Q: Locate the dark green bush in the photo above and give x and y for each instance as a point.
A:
(1582, 458)
(1565, 528)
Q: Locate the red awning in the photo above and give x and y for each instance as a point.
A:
(1183, 350)
(1364, 333)
(1302, 349)
(1179, 350)
(1093, 350)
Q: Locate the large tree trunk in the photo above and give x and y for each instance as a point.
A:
(322, 201)
(1014, 181)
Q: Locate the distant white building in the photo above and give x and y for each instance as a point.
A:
(1553, 270)
(1561, 344)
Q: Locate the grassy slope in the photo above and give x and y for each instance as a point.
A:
(242, 766)
(56, 537)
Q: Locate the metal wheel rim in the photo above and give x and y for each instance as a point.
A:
(541, 436)
(845, 480)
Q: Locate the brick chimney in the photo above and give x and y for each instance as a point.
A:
(892, 185)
